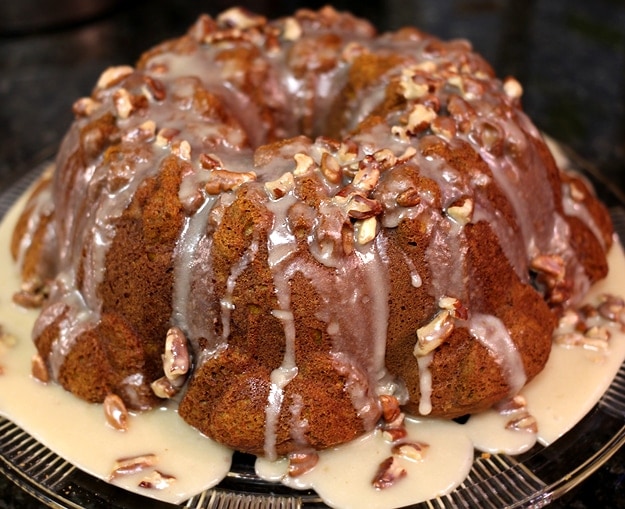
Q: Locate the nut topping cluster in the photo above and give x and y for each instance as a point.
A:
(393, 429)
(550, 270)
(32, 293)
(520, 419)
(589, 325)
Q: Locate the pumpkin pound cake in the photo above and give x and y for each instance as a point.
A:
(300, 228)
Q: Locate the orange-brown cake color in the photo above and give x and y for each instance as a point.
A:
(281, 223)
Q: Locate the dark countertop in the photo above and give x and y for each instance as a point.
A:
(569, 55)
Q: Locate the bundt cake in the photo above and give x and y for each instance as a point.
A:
(284, 225)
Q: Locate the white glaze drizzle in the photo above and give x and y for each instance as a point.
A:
(492, 334)
(227, 306)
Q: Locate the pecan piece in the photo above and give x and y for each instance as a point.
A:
(225, 180)
(39, 369)
(28, 300)
(461, 213)
(414, 451)
(181, 149)
(291, 30)
(512, 88)
(303, 164)
(301, 462)
(551, 265)
(85, 106)
(420, 118)
(511, 405)
(238, 17)
(176, 360)
(391, 434)
(113, 75)
(366, 230)
(157, 480)
(611, 308)
(155, 88)
(132, 465)
(331, 168)
(115, 412)
(434, 333)
(389, 472)
(525, 422)
(163, 388)
(360, 207)
(454, 306)
(123, 103)
(408, 198)
(390, 407)
(281, 186)
(366, 177)
(32, 293)
(165, 136)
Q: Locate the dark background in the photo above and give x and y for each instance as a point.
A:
(568, 54)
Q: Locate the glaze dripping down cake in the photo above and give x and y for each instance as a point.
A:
(285, 224)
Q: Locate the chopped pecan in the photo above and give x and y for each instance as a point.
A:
(238, 17)
(303, 164)
(157, 480)
(181, 149)
(389, 472)
(163, 388)
(612, 308)
(281, 186)
(419, 118)
(414, 451)
(301, 462)
(359, 207)
(113, 75)
(409, 197)
(115, 412)
(390, 407)
(39, 369)
(454, 306)
(331, 168)
(123, 103)
(366, 230)
(85, 106)
(434, 333)
(525, 422)
(511, 405)
(226, 180)
(291, 30)
(132, 465)
(28, 300)
(165, 136)
(176, 359)
(391, 434)
(155, 88)
(512, 88)
(551, 265)
(461, 213)
(366, 177)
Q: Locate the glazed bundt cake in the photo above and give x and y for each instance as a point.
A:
(283, 224)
